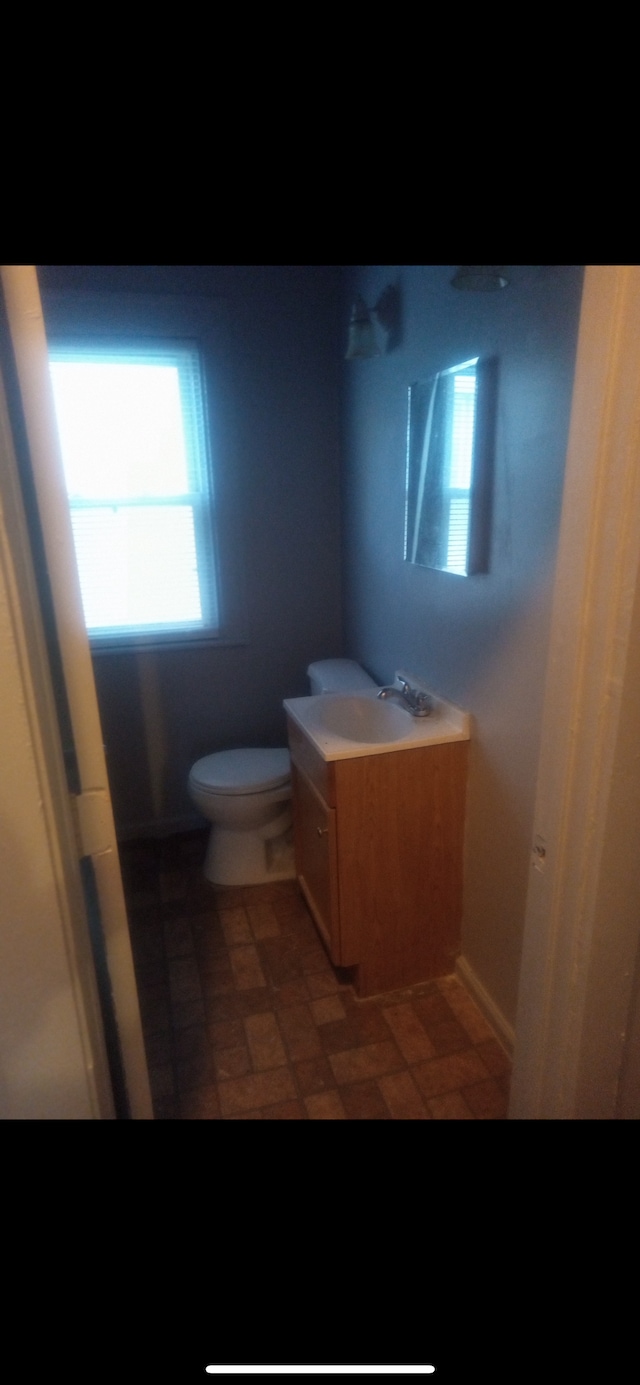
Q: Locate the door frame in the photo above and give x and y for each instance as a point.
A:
(90, 808)
(578, 994)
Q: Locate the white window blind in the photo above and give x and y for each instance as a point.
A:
(134, 447)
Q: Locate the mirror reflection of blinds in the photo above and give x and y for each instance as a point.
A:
(463, 397)
(458, 534)
(132, 435)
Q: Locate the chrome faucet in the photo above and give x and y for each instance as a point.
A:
(419, 704)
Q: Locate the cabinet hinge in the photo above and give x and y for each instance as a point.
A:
(91, 813)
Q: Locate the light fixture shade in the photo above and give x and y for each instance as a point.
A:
(480, 278)
(362, 337)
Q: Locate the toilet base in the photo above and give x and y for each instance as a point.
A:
(255, 857)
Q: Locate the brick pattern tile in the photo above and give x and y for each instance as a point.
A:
(451, 1107)
(244, 1018)
(246, 967)
(232, 1062)
(265, 1044)
(314, 1075)
(487, 1100)
(235, 926)
(328, 1009)
(409, 1033)
(464, 1009)
(300, 1032)
(449, 1074)
(326, 1106)
(256, 1090)
(365, 1101)
(403, 1098)
(285, 1111)
(372, 1060)
(263, 921)
(201, 1104)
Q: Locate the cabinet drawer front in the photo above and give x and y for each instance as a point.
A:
(320, 773)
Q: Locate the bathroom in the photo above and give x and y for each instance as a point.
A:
(310, 465)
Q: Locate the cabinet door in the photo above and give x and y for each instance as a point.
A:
(314, 826)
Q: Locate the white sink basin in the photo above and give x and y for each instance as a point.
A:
(364, 719)
(344, 727)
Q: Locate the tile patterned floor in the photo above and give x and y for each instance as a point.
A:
(244, 1017)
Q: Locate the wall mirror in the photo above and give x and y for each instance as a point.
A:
(450, 441)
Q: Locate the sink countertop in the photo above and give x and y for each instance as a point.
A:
(445, 723)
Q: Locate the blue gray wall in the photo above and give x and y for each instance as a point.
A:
(162, 710)
(479, 641)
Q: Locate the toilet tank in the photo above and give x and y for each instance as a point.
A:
(338, 675)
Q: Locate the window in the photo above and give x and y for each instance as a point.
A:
(131, 421)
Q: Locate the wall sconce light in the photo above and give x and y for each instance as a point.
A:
(362, 334)
(480, 278)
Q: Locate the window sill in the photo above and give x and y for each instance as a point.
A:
(131, 645)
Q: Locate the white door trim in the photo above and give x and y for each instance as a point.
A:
(26, 325)
(580, 942)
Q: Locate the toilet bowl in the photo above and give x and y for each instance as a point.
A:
(246, 796)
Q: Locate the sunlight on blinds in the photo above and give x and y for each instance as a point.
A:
(131, 427)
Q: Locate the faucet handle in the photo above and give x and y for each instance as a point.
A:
(419, 701)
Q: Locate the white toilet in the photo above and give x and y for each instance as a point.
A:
(246, 795)
(339, 676)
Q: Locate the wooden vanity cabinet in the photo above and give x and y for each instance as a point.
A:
(379, 856)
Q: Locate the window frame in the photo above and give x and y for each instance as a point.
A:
(113, 322)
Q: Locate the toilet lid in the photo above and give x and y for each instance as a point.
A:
(242, 771)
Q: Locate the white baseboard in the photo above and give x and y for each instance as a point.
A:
(503, 1031)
